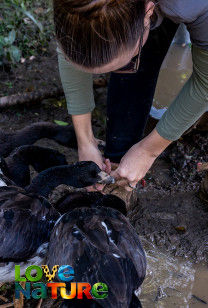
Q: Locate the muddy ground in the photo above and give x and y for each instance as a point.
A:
(168, 211)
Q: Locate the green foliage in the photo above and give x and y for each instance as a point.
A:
(8, 49)
(25, 28)
(61, 123)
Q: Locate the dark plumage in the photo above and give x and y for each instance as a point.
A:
(4, 181)
(74, 200)
(26, 221)
(64, 135)
(16, 166)
(102, 246)
(35, 214)
(26, 217)
(81, 174)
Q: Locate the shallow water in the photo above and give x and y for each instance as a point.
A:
(175, 71)
(173, 282)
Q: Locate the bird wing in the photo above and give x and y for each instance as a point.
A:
(26, 222)
(13, 196)
(101, 246)
(21, 233)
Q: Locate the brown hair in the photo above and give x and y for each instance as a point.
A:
(93, 32)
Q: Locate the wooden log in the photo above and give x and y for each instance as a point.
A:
(23, 98)
(39, 95)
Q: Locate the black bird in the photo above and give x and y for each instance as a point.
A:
(73, 200)
(80, 175)
(26, 217)
(26, 221)
(102, 246)
(16, 165)
(64, 135)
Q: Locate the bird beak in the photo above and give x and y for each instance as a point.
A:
(105, 178)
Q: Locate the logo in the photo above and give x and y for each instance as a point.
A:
(36, 289)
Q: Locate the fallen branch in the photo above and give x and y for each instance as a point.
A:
(39, 95)
(23, 98)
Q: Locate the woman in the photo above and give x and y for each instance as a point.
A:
(99, 36)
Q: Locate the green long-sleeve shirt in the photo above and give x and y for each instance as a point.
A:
(191, 102)
(185, 110)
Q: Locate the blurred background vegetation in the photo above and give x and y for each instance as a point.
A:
(26, 27)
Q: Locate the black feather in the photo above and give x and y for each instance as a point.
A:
(26, 222)
(81, 174)
(102, 246)
(64, 135)
(16, 166)
(74, 200)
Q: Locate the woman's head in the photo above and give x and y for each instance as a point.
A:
(101, 35)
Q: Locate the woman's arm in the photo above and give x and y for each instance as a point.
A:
(138, 160)
(191, 102)
(186, 109)
(78, 87)
(87, 144)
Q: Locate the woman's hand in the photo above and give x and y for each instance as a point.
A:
(138, 160)
(133, 166)
(88, 144)
(90, 152)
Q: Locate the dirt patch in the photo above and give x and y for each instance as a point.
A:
(177, 222)
(39, 72)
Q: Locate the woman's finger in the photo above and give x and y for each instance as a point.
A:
(96, 187)
(99, 187)
(108, 166)
(90, 188)
(103, 167)
(131, 186)
(115, 174)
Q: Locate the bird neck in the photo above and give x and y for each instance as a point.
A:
(49, 179)
(34, 132)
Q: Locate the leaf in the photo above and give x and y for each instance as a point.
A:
(12, 36)
(2, 40)
(180, 229)
(61, 123)
(36, 22)
(15, 53)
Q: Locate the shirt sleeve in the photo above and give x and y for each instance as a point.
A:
(191, 102)
(77, 85)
